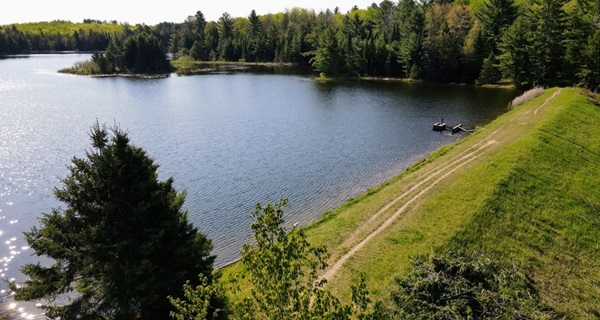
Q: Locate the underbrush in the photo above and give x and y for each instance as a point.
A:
(526, 96)
(82, 68)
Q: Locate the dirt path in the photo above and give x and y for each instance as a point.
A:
(355, 242)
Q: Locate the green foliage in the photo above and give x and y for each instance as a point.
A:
(411, 26)
(283, 268)
(590, 73)
(459, 286)
(121, 245)
(578, 31)
(58, 36)
(447, 27)
(496, 16)
(516, 53)
(490, 72)
(535, 42)
(198, 302)
(140, 53)
(328, 59)
(66, 28)
(548, 24)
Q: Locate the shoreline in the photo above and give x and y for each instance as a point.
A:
(187, 67)
(131, 75)
(356, 231)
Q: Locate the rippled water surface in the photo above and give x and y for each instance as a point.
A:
(230, 140)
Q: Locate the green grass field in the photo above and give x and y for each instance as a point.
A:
(523, 189)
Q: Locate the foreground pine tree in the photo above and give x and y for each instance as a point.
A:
(121, 245)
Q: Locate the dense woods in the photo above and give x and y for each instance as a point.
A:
(531, 42)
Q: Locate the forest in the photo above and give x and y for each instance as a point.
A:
(529, 42)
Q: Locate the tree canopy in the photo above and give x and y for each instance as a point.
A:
(283, 269)
(531, 42)
(121, 245)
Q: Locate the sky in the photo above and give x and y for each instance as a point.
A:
(153, 12)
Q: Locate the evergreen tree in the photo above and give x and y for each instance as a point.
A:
(412, 26)
(100, 61)
(114, 57)
(199, 25)
(328, 58)
(352, 55)
(143, 53)
(198, 49)
(576, 35)
(253, 18)
(123, 242)
(548, 25)
(590, 73)
(495, 16)
(515, 53)
(489, 71)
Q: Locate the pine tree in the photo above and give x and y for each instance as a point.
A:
(548, 24)
(489, 71)
(515, 53)
(122, 244)
(411, 28)
(328, 58)
(590, 73)
(576, 35)
(496, 16)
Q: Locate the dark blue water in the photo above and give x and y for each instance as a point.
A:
(230, 140)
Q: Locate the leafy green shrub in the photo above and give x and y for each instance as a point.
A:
(460, 286)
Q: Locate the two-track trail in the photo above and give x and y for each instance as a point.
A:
(358, 239)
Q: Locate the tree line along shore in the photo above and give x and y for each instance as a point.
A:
(527, 43)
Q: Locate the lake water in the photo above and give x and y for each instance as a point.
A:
(229, 139)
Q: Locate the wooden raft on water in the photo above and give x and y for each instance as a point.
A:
(441, 126)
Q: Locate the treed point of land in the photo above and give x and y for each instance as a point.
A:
(528, 43)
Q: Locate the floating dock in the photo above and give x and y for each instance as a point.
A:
(457, 128)
(441, 126)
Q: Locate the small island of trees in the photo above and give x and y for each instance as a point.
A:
(139, 54)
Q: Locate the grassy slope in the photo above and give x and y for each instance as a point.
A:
(540, 166)
(545, 213)
(531, 196)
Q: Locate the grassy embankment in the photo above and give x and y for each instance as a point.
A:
(523, 189)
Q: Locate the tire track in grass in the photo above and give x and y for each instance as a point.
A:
(461, 159)
(334, 268)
